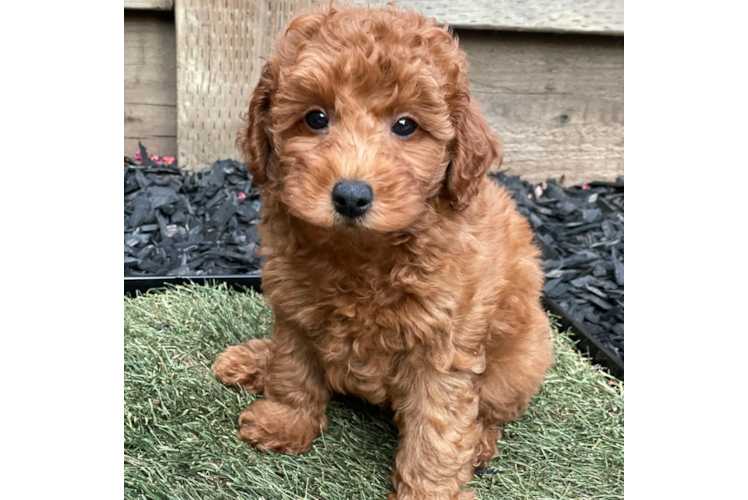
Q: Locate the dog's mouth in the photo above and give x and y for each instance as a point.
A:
(348, 223)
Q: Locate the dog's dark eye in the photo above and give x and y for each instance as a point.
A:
(404, 127)
(316, 120)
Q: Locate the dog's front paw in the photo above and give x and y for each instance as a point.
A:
(244, 365)
(270, 425)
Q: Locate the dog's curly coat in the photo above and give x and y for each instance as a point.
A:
(430, 302)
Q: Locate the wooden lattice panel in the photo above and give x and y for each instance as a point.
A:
(219, 48)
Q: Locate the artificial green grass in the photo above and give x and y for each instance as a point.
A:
(180, 423)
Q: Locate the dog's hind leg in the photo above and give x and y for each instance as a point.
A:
(514, 371)
(244, 365)
(499, 404)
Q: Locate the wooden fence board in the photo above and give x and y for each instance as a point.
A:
(149, 4)
(150, 86)
(556, 101)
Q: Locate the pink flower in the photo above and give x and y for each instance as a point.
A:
(169, 160)
(585, 186)
(241, 196)
(137, 156)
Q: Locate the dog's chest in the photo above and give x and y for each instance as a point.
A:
(363, 327)
(358, 345)
(363, 374)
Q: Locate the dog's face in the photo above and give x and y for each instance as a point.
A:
(363, 117)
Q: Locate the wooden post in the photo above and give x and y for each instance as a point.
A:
(219, 48)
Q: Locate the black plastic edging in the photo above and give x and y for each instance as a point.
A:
(144, 283)
(597, 351)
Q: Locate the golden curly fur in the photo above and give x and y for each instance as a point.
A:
(428, 304)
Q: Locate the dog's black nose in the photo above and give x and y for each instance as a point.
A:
(352, 198)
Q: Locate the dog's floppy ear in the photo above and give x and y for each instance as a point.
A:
(474, 148)
(254, 138)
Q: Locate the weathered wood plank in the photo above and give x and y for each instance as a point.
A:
(150, 86)
(555, 101)
(149, 4)
(219, 46)
(149, 120)
(603, 17)
(155, 125)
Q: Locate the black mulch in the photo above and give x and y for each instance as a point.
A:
(180, 223)
(185, 223)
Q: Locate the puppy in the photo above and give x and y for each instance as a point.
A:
(397, 271)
